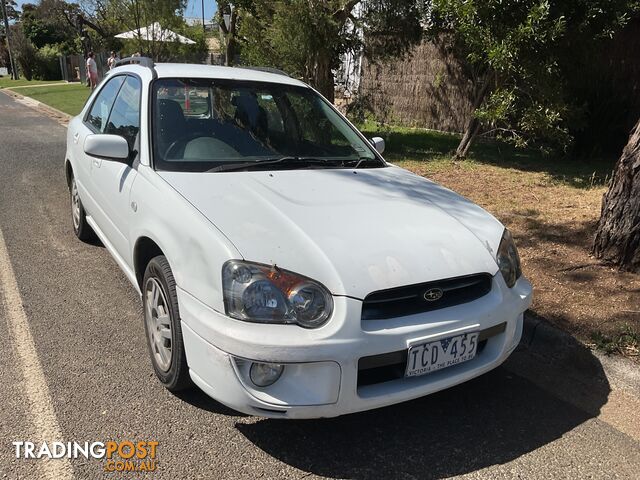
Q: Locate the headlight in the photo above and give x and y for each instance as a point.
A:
(508, 259)
(267, 294)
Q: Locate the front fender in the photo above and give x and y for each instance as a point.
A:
(194, 247)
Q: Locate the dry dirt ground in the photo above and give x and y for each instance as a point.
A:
(553, 220)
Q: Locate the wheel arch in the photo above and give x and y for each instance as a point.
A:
(68, 172)
(145, 249)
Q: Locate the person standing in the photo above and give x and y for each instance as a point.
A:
(111, 61)
(92, 71)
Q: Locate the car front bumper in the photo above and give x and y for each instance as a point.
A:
(323, 366)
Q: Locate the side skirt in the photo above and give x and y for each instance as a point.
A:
(121, 263)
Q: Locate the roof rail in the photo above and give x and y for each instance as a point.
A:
(266, 69)
(142, 61)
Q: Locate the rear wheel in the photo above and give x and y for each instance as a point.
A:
(162, 325)
(78, 216)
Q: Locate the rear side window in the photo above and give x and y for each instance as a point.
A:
(99, 113)
(124, 119)
(193, 100)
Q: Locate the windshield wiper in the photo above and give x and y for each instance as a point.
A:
(282, 161)
(360, 161)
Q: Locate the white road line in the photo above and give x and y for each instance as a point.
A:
(41, 410)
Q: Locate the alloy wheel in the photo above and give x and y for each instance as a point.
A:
(75, 205)
(158, 319)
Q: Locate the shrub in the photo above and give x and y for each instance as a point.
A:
(25, 52)
(47, 63)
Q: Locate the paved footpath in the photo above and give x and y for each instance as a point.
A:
(74, 367)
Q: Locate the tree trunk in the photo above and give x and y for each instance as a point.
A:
(322, 77)
(7, 33)
(230, 47)
(473, 125)
(617, 237)
(230, 50)
(228, 31)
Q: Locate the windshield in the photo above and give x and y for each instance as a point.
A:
(207, 125)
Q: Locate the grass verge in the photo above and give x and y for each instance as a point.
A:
(70, 98)
(7, 82)
(626, 342)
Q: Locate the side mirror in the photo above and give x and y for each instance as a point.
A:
(108, 147)
(378, 144)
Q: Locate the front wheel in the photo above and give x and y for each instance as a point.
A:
(78, 216)
(162, 325)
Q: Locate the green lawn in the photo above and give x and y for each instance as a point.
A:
(413, 146)
(69, 98)
(6, 82)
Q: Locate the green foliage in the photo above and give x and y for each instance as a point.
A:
(519, 51)
(11, 8)
(24, 51)
(36, 63)
(43, 24)
(125, 15)
(189, 53)
(289, 34)
(13, 15)
(47, 63)
(359, 111)
(306, 38)
(625, 342)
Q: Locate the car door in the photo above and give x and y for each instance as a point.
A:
(94, 122)
(112, 179)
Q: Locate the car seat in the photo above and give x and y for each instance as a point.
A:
(171, 124)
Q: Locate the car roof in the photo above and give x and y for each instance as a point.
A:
(186, 70)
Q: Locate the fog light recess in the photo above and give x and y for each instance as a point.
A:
(265, 374)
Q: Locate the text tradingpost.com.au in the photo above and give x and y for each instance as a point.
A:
(123, 455)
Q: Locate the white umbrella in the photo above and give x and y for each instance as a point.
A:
(155, 33)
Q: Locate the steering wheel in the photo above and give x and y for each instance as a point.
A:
(181, 142)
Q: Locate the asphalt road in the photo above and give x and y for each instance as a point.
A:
(526, 419)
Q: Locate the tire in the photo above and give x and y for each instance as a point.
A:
(78, 216)
(162, 326)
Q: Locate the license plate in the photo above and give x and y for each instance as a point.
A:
(432, 356)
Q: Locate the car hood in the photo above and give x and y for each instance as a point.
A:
(355, 231)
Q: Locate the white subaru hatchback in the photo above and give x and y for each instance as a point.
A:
(285, 268)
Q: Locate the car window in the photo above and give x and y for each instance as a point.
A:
(99, 113)
(125, 114)
(314, 118)
(248, 121)
(193, 100)
(274, 118)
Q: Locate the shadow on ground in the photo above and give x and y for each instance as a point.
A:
(196, 397)
(491, 420)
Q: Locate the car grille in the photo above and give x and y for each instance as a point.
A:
(425, 297)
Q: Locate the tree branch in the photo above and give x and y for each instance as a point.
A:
(93, 26)
(342, 14)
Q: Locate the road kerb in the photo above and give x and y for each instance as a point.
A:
(37, 105)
